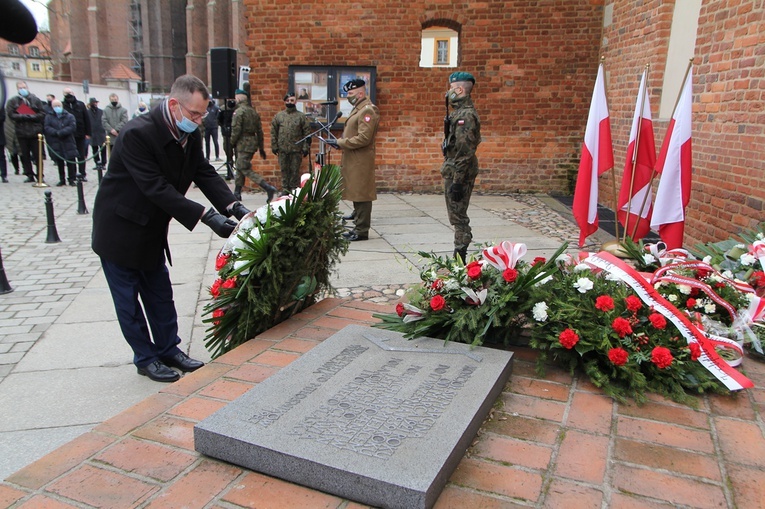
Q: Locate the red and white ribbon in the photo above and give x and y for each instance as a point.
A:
(709, 358)
(504, 255)
(758, 250)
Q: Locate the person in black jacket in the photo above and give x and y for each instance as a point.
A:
(83, 132)
(3, 165)
(26, 111)
(59, 129)
(155, 160)
(97, 133)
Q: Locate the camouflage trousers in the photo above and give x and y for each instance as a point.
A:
(243, 167)
(290, 163)
(457, 211)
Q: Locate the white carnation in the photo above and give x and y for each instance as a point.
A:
(684, 289)
(648, 258)
(580, 267)
(672, 297)
(709, 308)
(747, 259)
(539, 311)
(583, 284)
(728, 274)
(543, 281)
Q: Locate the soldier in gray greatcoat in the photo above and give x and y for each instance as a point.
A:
(460, 166)
(287, 128)
(247, 137)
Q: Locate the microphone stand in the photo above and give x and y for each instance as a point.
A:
(322, 157)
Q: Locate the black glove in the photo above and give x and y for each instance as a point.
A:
(457, 191)
(275, 151)
(333, 143)
(218, 223)
(238, 210)
(262, 154)
(305, 152)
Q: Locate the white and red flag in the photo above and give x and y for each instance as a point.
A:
(597, 158)
(675, 166)
(635, 195)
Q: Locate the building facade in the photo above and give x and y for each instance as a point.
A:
(32, 60)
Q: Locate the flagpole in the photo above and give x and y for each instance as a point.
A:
(613, 177)
(677, 101)
(634, 161)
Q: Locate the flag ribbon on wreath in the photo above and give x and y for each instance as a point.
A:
(709, 358)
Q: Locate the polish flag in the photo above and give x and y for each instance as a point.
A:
(635, 211)
(675, 167)
(597, 158)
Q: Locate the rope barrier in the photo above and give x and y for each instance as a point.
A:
(76, 161)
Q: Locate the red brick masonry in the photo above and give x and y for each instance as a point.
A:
(552, 442)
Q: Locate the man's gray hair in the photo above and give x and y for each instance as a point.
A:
(187, 85)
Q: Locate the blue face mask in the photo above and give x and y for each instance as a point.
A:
(186, 125)
(58, 109)
(23, 92)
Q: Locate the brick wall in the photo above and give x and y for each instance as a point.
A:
(728, 105)
(534, 63)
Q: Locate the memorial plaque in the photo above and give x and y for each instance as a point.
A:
(366, 415)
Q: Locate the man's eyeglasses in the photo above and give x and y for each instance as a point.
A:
(194, 115)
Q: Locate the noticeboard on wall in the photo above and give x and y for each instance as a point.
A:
(319, 89)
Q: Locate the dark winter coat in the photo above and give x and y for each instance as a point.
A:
(80, 112)
(27, 126)
(59, 135)
(97, 133)
(2, 129)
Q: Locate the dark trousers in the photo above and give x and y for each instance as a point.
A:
(71, 168)
(362, 215)
(211, 133)
(3, 163)
(82, 153)
(99, 155)
(457, 212)
(29, 152)
(156, 294)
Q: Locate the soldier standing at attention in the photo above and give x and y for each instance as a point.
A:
(247, 136)
(462, 134)
(287, 127)
(358, 162)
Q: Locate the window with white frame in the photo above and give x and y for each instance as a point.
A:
(34, 51)
(13, 49)
(439, 47)
(36, 67)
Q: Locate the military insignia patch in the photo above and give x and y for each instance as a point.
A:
(460, 122)
(367, 118)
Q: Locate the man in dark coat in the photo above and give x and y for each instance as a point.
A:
(155, 160)
(59, 129)
(26, 112)
(83, 132)
(97, 133)
(3, 165)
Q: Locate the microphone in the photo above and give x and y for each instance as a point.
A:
(339, 114)
(329, 103)
(17, 25)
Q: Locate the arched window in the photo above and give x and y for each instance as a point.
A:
(440, 44)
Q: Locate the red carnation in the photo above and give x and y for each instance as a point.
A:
(702, 273)
(400, 309)
(604, 303)
(218, 313)
(229, 283)
(633, 303)
(690, 303)
(662, 357)
(221, 261)
(618, 356)
(215, 288)
(568, 339)
(538, 259)
(621, 326)
(757, 279)
(437, 303)
(695, 350)
(657, 320)
(437, 284)
(510, 275)
(473, 270)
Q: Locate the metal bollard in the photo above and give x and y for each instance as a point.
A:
(5, 287)
(52, 233)
(100, 170)
(40, 182)
(81, 208)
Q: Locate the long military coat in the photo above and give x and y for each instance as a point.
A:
(358, 144)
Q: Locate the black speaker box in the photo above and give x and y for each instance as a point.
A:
(223, 76)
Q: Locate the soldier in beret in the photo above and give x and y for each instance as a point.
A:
(247, 137)
(460, 168)
(358, 161)
(288, 127)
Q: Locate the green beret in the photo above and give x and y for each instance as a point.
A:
(239, 91)
(461, 76)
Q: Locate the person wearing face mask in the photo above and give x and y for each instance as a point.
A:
(287, 128)
(141, 110)
(114, 118)
(246, 137)
(358, 161)
(156, 159)
(84, 130)
(460, 168)
(97, 134)
(211, 129)
(60, 128)
(26, 112)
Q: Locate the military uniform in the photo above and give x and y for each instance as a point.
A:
(287, 127)
(461, 164)
(247, 138)
(358, 161)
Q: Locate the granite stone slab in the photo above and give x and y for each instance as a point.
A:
(366, 415)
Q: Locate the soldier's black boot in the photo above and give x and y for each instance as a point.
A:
(271, 190)
(238, 192)
(462, 253)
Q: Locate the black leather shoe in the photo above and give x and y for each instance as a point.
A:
(348, 217)
(29, 179)
(61, 183)
(159, 372)
(183, 362)
(352, 236)
(82, 177)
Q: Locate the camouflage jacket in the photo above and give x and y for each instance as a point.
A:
(462, 142)
(246, 129)
(287, 127)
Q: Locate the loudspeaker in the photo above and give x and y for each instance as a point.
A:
(223, 72)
